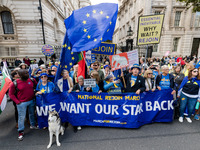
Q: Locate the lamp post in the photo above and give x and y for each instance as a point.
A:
(129, 41)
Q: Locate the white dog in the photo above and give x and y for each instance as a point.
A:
(55, 127)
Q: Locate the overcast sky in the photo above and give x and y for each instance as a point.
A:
(103, 1)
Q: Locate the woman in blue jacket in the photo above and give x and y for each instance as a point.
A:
(189, 93)
(110, 83)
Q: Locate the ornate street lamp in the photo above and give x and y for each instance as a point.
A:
(129, 32)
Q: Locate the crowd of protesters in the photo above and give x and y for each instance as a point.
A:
(180, 74)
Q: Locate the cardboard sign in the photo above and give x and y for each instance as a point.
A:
(133, 57)
(119, 61)
(89, 82)
(149, 29)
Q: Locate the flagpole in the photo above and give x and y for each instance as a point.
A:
(123, 79)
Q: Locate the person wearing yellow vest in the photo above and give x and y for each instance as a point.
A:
(110, 83)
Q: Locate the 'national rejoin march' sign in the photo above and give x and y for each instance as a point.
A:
(149, 29)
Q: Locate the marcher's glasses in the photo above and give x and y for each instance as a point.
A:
(43, 76)
(195, 71)
(94, 65)
(150, 73)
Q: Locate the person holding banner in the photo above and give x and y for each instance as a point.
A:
(165, 80)
(189, 93)
(110, 83)
(65, 83)
(99, 85)
(135, 82)
(79, 87)
(150, 82)
(44, 86)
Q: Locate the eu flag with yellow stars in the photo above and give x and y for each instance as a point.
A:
(197, 65)
(67, 58)
(89, 26)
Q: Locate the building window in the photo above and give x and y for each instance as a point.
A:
(197, 20)
(7, 22)
(177, 18)
(8, 51)
(155, 48)
(175, 44)
(157, 13)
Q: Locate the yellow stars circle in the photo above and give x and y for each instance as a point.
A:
(65, 66)
(84, 22)
(95, 40)
(88, 36)
(70, 64)
(69, 48)
(88, 15)
(85, 30)
(110, 23)
(65, 45)
(101, 39)
(108, 30)
(107, 17)
(72, 53)
(94, 11)
(101, 12)
(73, 58)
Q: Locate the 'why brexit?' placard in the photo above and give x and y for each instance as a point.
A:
(126, 110)
(149, 29)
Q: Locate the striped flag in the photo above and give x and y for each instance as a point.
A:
(5, 84)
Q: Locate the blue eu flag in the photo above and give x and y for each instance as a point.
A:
(89, 26)
(197, 65)
(117, 74)
(67, 58)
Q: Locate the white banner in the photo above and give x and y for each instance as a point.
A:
(133, 57)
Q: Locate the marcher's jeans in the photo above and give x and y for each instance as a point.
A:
(21, 108)
(187, 101)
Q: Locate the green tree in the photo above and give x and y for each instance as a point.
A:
(190, 3)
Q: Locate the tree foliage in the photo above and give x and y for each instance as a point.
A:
(194, 3)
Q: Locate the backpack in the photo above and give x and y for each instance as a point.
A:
(16, 89)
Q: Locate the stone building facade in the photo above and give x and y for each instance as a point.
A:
(21, 31)
(180, 32)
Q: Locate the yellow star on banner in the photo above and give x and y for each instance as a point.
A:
(94, 11)
(88, 36)
(72, 53)
(65, 66)
(69, 48)
(70, 64)
(95, 40)
(88, 15)
(85, 30)
(43, 90)
(107, 17)
(110, 23)
(101, 39)
(73, 58)
(84, 22)
(108, 30)
(101, 12)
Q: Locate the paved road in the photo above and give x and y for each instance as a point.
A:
(158, 136)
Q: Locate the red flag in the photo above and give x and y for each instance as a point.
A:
(81, 66)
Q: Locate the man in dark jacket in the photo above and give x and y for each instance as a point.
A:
(17, 62)
(135, 82)
(79, 87)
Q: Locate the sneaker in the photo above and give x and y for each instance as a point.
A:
(196, 117)
(79, 128)
(21, 136)
(180, 119)
(33, 127)
(188, 120)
